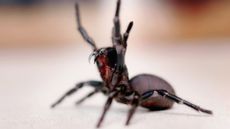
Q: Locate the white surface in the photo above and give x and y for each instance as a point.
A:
(30, 81)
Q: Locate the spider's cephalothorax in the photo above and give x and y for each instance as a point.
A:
(106, 59)
(146, 90)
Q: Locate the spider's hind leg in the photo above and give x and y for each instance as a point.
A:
(176, 99)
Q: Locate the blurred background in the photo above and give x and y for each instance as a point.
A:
(42, 55)
(36, 23)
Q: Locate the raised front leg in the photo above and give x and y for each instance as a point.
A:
(116, 31)
(96, 84)
(126, 34)
(82, 30)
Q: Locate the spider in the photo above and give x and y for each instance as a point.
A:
(145, 90)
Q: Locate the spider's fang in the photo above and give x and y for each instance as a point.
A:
(94, 54)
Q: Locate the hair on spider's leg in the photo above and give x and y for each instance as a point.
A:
(106, 107)
(82, 30)
(95, 84)
(87, 96)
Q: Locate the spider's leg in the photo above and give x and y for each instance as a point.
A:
(176, 99)
(106, 107)
(135, 103)
(87, 96)
(126, 34)
(116, 34)
(82, 30)
(95, 84)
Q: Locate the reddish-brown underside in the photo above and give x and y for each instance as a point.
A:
(104, 69)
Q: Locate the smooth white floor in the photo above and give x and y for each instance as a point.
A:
(31, 80)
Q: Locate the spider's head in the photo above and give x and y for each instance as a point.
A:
(105, 57)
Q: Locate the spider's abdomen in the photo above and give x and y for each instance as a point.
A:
(145, 82)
